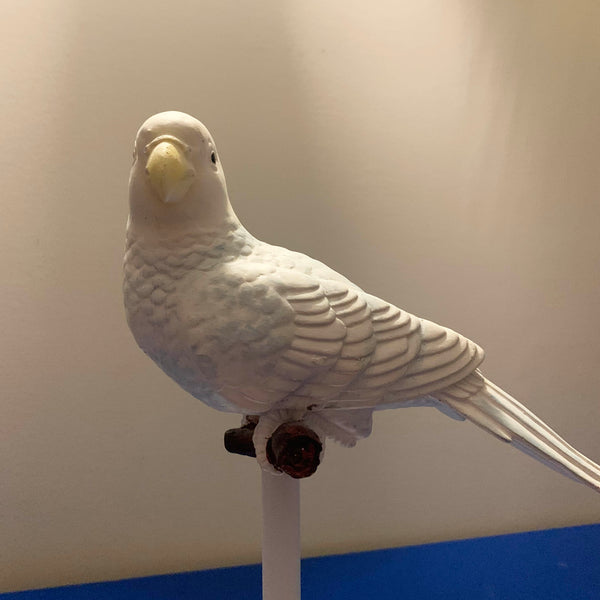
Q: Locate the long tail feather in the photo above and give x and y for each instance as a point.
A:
(502, 415)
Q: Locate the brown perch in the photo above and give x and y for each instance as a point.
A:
(293, 448)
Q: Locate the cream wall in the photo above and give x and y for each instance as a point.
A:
(444, 155)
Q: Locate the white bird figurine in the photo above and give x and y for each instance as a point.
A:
(260, 330)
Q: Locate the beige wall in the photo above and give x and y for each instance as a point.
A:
(444, 155)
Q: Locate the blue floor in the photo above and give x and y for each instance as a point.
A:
(556, 564)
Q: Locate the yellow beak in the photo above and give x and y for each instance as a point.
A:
(169, 171)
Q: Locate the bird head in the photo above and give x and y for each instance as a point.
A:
(176, 178)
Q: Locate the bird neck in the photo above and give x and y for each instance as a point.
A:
(209, 214)
(175, 255)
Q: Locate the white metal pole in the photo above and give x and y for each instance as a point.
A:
(281, 537)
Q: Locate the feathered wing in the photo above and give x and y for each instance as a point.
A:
(290, 340)
(353, 350)
(490, 407)
(349, 353)
(383, 357)
(326, 373)
(412, 357)
(418, 363)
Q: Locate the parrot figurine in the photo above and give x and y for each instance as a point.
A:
(279, 337)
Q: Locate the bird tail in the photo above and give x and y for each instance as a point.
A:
(500, 414)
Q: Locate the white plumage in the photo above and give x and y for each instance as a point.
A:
(257, 329)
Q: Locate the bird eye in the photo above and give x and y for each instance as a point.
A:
(213, 157)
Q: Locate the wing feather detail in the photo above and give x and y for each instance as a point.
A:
(445, 358)
(353, 313)
(318, 334)
(346, 349)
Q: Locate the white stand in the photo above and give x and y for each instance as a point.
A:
(281, 537)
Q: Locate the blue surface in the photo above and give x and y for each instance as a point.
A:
(556, 564)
